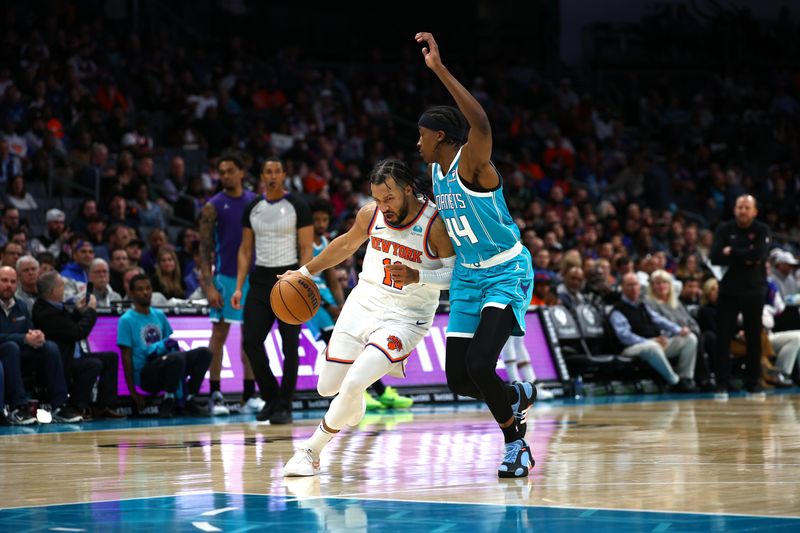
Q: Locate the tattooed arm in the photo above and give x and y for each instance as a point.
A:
(208, 217)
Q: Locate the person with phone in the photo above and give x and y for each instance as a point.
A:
(69, 330)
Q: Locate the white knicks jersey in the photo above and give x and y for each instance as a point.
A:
(408, 245)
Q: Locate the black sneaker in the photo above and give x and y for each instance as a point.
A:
(755, 390)
(66, 414)
(282, 415)
(167, 408)
(192, 408)
(21, 416)
(684, 385)
(266, 412)
(526, 395)
(517, 460)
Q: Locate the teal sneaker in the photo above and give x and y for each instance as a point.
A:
(526, 395)
(517, 461)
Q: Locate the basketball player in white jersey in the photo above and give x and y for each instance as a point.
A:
(409, 259)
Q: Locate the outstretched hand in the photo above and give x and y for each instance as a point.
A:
(430, 52)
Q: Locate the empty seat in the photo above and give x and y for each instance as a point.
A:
(577, 355)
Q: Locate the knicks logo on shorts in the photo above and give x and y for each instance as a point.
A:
(393, 343)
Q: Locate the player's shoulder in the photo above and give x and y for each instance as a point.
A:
(368, 207)
(254, 202)
(296, 200)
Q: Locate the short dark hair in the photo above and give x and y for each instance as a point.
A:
(46, 258)
(321, 205)
(234, 158)
(137, 278)
(274, 159)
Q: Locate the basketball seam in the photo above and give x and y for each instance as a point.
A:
(303, 299)
(285, 305)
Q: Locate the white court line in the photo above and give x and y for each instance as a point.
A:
(65, 529)
(215, 512)
(198, 493)
(205, 526)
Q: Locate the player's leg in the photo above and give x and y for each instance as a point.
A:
(290, 344)
(510, 359)
(219, 334)
(463, 320)
(525, 367)
(347, 408)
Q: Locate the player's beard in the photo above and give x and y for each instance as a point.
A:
(401, 214)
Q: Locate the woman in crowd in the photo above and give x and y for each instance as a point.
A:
(168, 279)
(662, 297)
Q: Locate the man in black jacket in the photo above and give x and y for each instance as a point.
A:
(38, 354)
(741, 247)
(69, 331)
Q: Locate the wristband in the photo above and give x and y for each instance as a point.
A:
(304, 271)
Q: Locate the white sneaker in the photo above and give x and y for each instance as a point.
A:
(216, 404)
(303, 463)
(253, 405)
(544, 394)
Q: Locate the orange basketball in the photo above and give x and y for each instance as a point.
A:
(295, 299)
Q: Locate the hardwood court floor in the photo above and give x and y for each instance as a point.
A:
(639, 463)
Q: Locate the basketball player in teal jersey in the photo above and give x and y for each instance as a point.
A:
(493, 278)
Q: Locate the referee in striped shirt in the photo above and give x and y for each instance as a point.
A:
(279, 229)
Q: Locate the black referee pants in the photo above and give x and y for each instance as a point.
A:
(258, 320)
(729, 306)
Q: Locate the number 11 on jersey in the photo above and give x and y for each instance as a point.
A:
(387, 276)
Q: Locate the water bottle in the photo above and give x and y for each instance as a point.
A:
(577, 387)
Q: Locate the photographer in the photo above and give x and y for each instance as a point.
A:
(152, 360)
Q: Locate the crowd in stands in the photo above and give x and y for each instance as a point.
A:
(108, 145)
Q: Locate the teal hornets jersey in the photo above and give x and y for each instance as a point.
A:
(478, 223)
(319, 279)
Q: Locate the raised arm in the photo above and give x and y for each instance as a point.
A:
(476, 153)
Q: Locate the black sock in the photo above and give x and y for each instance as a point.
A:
(512, 393)
(249, 389)
(379, 387)
(511, 433)
(214, 384)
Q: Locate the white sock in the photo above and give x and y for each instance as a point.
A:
(526, 371)
(319, 439)
(511, 370)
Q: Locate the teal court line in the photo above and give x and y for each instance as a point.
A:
(221, 511)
